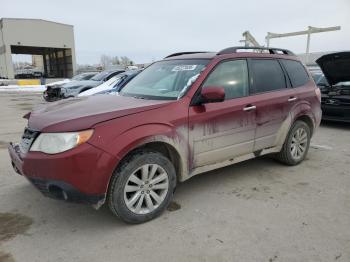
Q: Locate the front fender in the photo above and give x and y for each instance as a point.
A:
(120, 145)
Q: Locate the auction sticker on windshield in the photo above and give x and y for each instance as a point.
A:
(184, 68)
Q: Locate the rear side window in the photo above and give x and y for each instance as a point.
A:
(232, 76)
(296, 71)
(267, 75)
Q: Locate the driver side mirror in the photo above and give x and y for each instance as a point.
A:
(212, 94)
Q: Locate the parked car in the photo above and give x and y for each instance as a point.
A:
(28, 72)
(53, 89)
(316, 75)
(182, 116)
(79, 77)
(115, 84)
(336, 89)
(74, 88)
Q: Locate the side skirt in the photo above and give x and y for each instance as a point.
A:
(203, 169)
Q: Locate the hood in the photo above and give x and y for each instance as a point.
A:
(83, 112)
(58, 83)
(79, 84)
(336, 67)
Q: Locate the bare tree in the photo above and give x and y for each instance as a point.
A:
(105, 61)
(124, 60)
(115, 60)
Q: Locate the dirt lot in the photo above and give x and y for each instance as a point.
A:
(258, 210)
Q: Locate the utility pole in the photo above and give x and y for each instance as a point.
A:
(308, 32)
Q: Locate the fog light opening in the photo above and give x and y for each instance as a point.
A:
(57, 192)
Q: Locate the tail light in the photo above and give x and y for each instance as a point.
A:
(318, 94)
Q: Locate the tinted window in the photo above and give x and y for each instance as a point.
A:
(296, 72)
(267, 75)
(232, 76)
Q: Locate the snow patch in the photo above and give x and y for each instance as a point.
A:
(29, 88)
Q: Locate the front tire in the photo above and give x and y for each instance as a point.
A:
(297, 144)
(142, 187)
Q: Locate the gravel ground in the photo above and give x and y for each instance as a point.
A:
(257, 210)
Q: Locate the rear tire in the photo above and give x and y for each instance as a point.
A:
(296, 145)
(142, 187)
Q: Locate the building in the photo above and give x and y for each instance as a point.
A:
(54, 42)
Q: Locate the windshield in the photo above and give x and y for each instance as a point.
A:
(83, 76)
(77, 77)
(166, 80)
(100, 76)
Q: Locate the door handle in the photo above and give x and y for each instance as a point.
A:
(249, 108)
(291, 99)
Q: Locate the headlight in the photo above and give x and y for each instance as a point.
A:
(68, 90)
(53, 143)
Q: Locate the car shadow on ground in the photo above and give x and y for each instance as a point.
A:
(337, 125)
(71, 216)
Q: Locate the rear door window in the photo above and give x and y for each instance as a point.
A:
(267, 75)
(296, 72)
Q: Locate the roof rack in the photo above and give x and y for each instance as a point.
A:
(271, 50)
(185, 53)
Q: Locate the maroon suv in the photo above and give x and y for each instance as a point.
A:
(187, 114)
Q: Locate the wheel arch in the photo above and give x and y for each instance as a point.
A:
(163, 148)
(308, 120)
(303, 114)
(161, 138)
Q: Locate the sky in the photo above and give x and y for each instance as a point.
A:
(148, 30)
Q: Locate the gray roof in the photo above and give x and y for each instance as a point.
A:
(32, 19)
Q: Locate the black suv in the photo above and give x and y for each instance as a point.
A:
(336, 94)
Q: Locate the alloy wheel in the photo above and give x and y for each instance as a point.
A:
(146, 189)
(299, 143)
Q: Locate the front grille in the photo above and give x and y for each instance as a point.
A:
(28, 138)
(53, 92)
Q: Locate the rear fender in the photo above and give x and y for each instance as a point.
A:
(299, 110)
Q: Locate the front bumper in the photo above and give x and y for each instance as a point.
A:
(52, 94)
(63, 191)
(78, 175)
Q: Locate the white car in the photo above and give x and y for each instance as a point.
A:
(113, 85)
(80, 77)
(103, 87)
